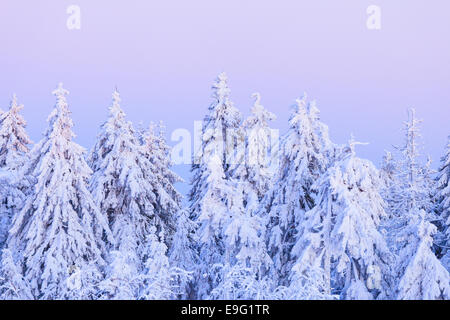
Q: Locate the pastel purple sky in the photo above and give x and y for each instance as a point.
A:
(164, 55)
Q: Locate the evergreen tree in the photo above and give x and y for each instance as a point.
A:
(443, 205)
(255, 171)
(246, 260)
(214, 217)
(60, 229)
(14, 140)
(124, 186)
(340, 246)
(158, 275)
(421, 275)
(183, 254)
(168, 199)
(12, 284)
(221, 136)
(11, 200)
(411, 190)
(306, 154)
(13, 150)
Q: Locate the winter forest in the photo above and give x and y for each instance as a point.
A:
(309, 220)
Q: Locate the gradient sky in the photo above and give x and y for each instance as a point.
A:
(164, 55)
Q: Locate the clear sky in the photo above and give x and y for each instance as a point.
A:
(164, 55)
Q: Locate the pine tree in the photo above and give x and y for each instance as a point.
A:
(306, 154)
(14, 140)
(443, 205)
(168, 201)
(158, 275)
(255, 171)
(183, 254)
(213, 219)
(12, 284)
(340, 246)
(13, 150)
(60, 229)
(246, 260)
(122, 280)
(221, 136)
(421, 275)
(11, 200)
(125, 186)
(411, 191)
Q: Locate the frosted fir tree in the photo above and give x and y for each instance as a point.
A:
(14, 140)
(183, 254)
(443, 205)
(11, 200)
(14, 143)
(158, 276)
(122, 280)
(125, 186)
(221, 136)
(246, 259)
(421, 275)
(340, 249)
(59, 229)
(306, 153)
(388, 175)
(255, 171)
(12, 284)
(168, 199)
(213, 219)
(411, 190)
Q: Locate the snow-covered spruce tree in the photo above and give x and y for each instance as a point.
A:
(246, 260)
(168, 199)
(221, 136)
(213, 218)
(59, 230)
(340, 250)
(12, 284)
(124, 187)
(14, 140)
(443, 205)
(306, 153)
(255, 171)
(160, 280)
(411, 190)
(123, 273)
(183, 254)
(421, 275)
(14, 143)
(388, 175)
(11, 200)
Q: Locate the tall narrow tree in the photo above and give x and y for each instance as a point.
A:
(255, 169)
(443, 205)
(59, 231)
(340, 236)
(421, 275)
(306, 153)
(14, 140)
(221, 136)
(14, 143)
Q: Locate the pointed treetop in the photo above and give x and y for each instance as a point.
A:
(14, 106)
(14, 100)
(352, 143)
(161, 128)
(222, 91)
(116, 96)
(60, 91)
(300, 103)
(257, 97)
(223, 76)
